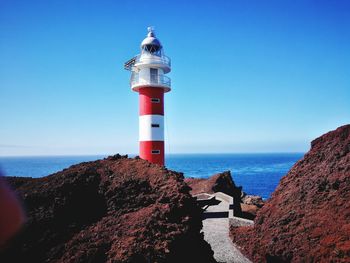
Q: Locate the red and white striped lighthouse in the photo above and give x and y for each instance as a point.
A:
(148, 79)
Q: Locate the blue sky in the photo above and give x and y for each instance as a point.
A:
(247, 76)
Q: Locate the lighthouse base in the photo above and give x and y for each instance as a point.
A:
(152, 151)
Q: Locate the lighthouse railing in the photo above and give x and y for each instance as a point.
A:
(149, 58)
(160, 80)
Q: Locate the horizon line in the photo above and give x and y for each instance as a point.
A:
(134, 154)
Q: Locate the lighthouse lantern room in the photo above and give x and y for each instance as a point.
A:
(148, 78)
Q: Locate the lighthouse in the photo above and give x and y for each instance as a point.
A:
(148, 78)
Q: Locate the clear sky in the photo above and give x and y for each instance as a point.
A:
(247, 76)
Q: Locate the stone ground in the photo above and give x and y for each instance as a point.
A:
(216, 233)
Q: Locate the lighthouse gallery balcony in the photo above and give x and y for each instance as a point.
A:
(161, 61)
(148, 59)
(137, 81)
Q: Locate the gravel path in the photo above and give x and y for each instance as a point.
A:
(216, 233)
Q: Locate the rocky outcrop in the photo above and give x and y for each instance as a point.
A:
(254, 200)
(250, 205)
(111, 210)
(221, 182)
(307, 218)
(245, 206)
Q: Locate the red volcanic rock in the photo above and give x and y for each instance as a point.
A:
(111, 210)
(249, 211)
(11, 215)
(250, 205)
(253, 200)
(221, 182)
(307, 218)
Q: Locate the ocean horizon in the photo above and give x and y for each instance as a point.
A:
(257, 173)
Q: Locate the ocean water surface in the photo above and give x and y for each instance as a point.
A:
(259, 174)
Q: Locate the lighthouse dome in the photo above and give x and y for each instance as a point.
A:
(151, 43)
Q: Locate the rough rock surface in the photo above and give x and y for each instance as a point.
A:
(250, 205)
(253, 200)
(111, 210)
(249, 211)
(307, 218)
(221, 182)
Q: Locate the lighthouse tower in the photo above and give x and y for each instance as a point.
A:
(148, 78)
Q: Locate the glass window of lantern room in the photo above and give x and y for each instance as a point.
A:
(154, 75)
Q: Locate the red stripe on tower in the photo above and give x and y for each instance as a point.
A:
(149, 80)
(151, 101)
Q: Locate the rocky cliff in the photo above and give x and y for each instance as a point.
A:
(112, 210)
(221, 182)
(307, 218)
(245, 206)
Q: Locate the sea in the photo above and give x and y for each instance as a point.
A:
(258, 174)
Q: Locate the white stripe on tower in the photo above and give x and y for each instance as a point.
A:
(151, 128)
